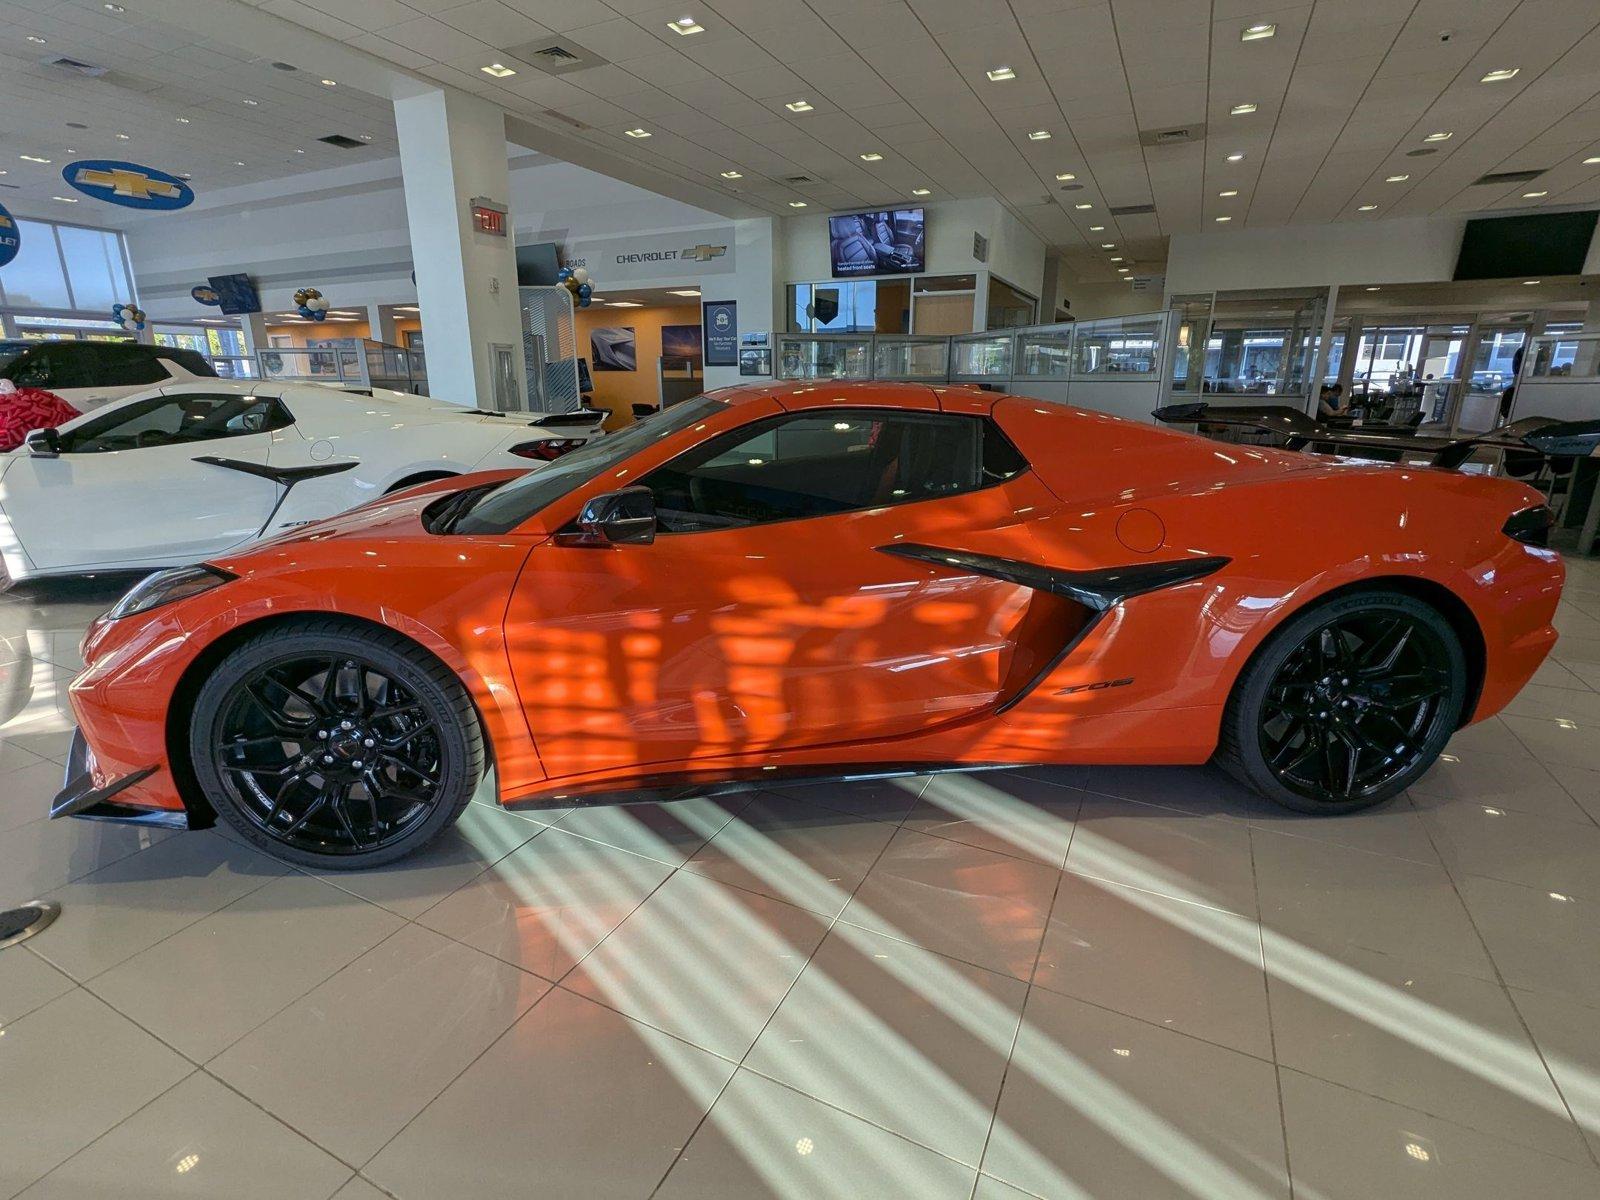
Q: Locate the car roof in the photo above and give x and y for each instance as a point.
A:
(954, 397)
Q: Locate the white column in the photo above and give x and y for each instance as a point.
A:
(453, 148)
(253, 327)
(380, 321)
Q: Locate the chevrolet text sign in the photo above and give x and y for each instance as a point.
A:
(687, 256)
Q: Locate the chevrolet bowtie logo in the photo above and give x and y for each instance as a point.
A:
(5, 222)
(703, 253)
(126, 183)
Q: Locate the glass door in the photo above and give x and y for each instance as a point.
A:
(1491, 373)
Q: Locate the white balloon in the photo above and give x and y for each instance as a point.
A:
(581, 275)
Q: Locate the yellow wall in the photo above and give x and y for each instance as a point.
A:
(320, 331)
(618, 391)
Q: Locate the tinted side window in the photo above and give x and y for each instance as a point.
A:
(190, 360)
(55, 365)
(830, 461)
(127, 366)
(176, 420)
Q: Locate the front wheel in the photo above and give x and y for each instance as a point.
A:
(335, 746)
(1347, 704)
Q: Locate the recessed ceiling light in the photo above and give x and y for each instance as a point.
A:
(920, 192)
(872, 156)
(498, 70)
(624, 303)
(1529, 282)
(684, 291)
(298, 151)
(798, 106)
(183, 120)
(1254, 33)
(1500, 76)
(684, 26)
(1122, 270)
(1065, 177)
(33, 158)
(1533, 195)
(1000, 74)
(1039, 135)
(65, 199)
(1108, 245)
(1441, 136)
(1235, 157)
(797, 204)
(36, 39)
(1082, 207)
(1372, 289)
(1240, 110)
(1117, 257)
(1589, 162)
(251, 103)
(123, 137)
(1396, 178)
(1224, 218)
(637, 133)
(330, 83)
(113, 8)
(1097, 229)
(238, 164)
(732, 175)
(366, 137)
(1226, 194)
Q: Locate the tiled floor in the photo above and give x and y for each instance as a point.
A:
(1073, 983)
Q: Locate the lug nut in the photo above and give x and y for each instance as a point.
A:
(322, 733)
(344, 724)
(369, 743)
(327, 758)
(358, 764)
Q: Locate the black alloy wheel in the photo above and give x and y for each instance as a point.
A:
(1348, 704)
(339, 750)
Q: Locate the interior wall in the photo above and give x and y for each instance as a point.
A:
(1093, 300)
(620, 390)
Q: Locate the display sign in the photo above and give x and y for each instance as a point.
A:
(755, 361)
(10, 236)
(128, 184)
(236, 295)
(888, 242)
(686, 255)
(489, 216)
(205, 295)
(721, 324)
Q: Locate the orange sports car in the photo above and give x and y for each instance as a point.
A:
(831, 580)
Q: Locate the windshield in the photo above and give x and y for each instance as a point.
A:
(503, 509)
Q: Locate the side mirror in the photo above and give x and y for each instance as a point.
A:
(43, 443)
(624, 518)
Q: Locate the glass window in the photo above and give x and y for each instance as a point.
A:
(823, 462)
(55, 365)
(1046, 354)
(1117, 347)
(94, 268)
(1009, 307)
(982, 357)
(34, 278)
(173, 420)
(127, 366)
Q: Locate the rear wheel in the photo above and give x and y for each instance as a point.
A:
(335, 746)
(1346, 705)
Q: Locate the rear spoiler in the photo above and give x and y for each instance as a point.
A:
(1299, 431)
(584, 418)
(1563, 439)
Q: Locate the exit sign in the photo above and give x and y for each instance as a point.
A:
(488, 216)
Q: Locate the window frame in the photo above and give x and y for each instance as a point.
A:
(987, 426)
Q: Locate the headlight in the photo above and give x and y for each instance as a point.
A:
(164, 587)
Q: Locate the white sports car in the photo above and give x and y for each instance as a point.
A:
(173, 476)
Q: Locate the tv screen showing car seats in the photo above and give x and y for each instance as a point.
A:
(876, 243)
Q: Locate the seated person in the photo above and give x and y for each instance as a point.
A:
(1329, 403)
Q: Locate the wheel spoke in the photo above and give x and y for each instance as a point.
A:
(1410, 691)
(272, 699)
(1384, 651)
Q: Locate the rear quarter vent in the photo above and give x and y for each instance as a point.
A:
(1531, 526)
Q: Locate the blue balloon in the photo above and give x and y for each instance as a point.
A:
(583, 302)
(584, 291)
(564, 274)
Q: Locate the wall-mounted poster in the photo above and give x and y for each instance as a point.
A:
(722, 332)
(614, 349)
(681, 342)
(128, 184)
(754, 360)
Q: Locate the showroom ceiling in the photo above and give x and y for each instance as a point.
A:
(1136, 95)
(186, 104)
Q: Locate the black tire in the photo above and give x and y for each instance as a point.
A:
(397, 726)
(1347, 704)
(412, 481)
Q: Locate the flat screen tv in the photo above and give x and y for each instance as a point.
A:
(885, 242)
(236, 295)
(537, 264)
(1532, 245)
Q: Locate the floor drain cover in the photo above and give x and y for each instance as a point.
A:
(20, 924)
